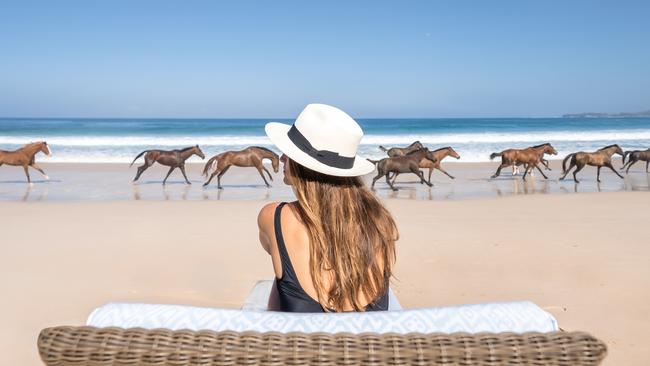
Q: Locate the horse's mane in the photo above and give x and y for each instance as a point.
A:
(607, 147)
(264, 149)
(540, 145)
(442, 148)
(416, 150)
(187, 148)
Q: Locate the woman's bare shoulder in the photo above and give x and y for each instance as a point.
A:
(265, 216)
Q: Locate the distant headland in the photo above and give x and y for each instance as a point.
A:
(607, 115)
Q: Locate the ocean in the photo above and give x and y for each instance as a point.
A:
(95, 140)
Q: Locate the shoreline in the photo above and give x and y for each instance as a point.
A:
(75, 182)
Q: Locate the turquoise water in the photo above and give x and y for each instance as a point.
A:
(119, 140)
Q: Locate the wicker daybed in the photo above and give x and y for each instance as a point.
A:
(515, 333)
(63, 346)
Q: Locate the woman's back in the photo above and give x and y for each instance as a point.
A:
(334, 248)
(295, 286)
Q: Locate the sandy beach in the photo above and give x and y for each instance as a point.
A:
(582, 257)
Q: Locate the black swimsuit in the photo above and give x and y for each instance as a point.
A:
(291, 295)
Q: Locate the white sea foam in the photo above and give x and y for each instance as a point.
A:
(473, 147)
(401, 139)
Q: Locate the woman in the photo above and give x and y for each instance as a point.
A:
(334, 248)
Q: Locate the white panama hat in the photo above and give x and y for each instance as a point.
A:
(324, 139)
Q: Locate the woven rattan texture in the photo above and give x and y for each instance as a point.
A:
(63, 346)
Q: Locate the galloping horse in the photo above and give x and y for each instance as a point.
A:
(401, 151)
(25, 157)
(600, 158)
(402, 164)
(636, 155)
(171, 158)
(515, 167)
(439, 154)
(529, 157)
(251, 156)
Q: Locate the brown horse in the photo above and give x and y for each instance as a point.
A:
(402, 164)
(600, 158)
(25, 157)
(401, 151)
(439, 154)
(171, 158)
(251, 156)
(636, 155)
(530, 157)
(515, 167)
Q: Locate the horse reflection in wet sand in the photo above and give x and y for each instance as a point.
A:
(439, 154)
(252, 156)
(600, 158)
(529, 158)
(409, 163)
(25, 157)
(636, 155)
(171, 158)
(401, 151)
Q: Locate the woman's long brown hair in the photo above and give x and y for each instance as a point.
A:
(352, 237)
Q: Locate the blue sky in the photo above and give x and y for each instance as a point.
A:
(371, 58)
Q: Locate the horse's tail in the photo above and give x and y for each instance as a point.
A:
(382, 149)
(210, 165)
(494, 155)
(565, 160)
(625, 155)
(373, 161)
(139, 155)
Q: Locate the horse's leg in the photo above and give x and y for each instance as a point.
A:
(571, 165)
(259, 169)
(182, 167)
(610, 166)
(545, 162)
(267, 172)
(629, 165)
(141, 170)
(394, 177)
(525, 172)
(29, 180)
(646, 166)
(210, 179)
(389, 183)
(379, 175)
(540, 171)
(503, 165)
(444, 171)
(575, 172)
(220, 175)
(625, 165)
(419, 173)
(35, 166)
(168, 173)
(598, 174)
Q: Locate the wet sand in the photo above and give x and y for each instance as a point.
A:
(110, 182)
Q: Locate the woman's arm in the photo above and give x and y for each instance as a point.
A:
(265, 225)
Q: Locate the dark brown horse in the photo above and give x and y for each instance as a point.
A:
(600, 158)
(251, 156)
(636, 155)
(530, 157)
(171, 158)
(25, 157)
(439, 154)
(401, 151)
(402, 164)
